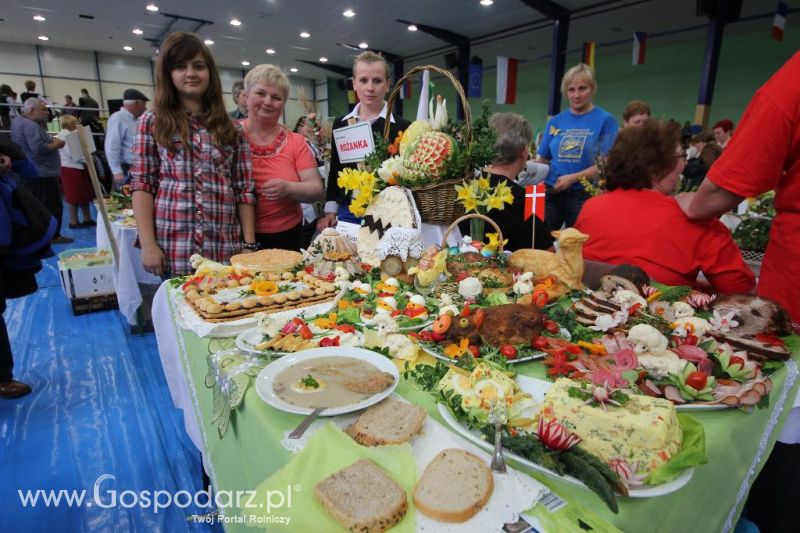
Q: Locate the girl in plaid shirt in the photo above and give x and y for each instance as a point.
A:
(192, 181)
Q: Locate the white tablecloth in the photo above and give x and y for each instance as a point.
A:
(129, 272)
(169, 351)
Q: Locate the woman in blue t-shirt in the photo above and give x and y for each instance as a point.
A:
(572, 141)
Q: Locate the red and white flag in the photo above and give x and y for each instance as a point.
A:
(534, 201)
(779, 21)
(507, 80)
(639, 47)
(405, 90)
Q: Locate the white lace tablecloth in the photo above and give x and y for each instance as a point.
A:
(514, 492)
(128, 272)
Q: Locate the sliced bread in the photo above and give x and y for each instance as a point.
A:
(454, 486)
(389, 422)
(362, 498)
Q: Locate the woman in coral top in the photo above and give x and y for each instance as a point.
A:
(284, 167)
(638, 222)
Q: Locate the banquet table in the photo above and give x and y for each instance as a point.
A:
(737, 442)
(128, 273)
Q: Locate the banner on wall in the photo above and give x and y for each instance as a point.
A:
(507, 80)
(639, 47)
(779, 21)
(352, 97)
(588, 53)
(475, 87)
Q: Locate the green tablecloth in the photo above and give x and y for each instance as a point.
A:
(737, 444)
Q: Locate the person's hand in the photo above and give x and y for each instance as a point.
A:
(328, 220)
(154, 260)
(564, 182)
(684, 200)
(59, 143)
(276, 189)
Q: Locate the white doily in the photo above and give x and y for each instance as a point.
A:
(514, 492)
(403, 242)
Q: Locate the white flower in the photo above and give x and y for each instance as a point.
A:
(391, 169)
(470, 288)
(723, 323)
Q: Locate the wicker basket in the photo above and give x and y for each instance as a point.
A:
(436, 202)
(753, 260)
(486, 291)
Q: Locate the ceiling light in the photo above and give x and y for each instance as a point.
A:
(487, 2)
(245, 63)
(136, 31)
(236, 22)
(152, 7)
(349, 13)
(270, 51)
(305, 35)
(208, 42)
(127, 48)
(323, 59)
(39, 18)
(412, 27)
(44, 38)
(363, 46)
(292, 69)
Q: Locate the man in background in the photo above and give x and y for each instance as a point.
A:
(88, 117)
(29, 133)
(30, 91)
(240, 99)
(69, 106)
(120, 133)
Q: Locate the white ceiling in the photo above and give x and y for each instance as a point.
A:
(509, 27)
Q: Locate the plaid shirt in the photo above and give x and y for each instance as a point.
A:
(196, 192)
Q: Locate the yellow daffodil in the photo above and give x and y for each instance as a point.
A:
(494, 241)
(463, 191)
(483, 183)
(495, 202)
(470, 204)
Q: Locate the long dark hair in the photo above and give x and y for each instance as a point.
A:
(181, 47)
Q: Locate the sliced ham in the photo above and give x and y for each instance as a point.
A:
(692, 353)
(649, 388)
(672, 394)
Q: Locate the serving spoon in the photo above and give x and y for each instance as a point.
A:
(303, 426)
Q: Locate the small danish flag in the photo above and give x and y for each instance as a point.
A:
(534, 201)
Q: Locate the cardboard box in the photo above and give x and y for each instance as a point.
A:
(87, 281)
(91, 304)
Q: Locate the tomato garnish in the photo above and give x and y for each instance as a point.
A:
(477, 320)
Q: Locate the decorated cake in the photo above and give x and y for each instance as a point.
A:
(637, 429)
(331, 252)
(391, 228)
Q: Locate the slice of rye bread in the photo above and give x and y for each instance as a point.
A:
(361, 497)
(389, 422)
(454, 486)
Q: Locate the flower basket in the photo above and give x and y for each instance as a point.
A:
(436, 201)
(477, 216)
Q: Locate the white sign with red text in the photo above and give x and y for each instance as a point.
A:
(354, 143)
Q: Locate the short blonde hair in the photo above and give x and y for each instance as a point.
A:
(581, 70)
(268, 75)
(371, 57)
(69, 122)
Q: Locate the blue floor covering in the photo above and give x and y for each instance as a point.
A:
(100, 407)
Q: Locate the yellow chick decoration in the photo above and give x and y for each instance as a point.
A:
(431, 265)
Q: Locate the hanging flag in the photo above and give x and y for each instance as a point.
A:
(588, 53)
(534, 201)
(405, 92)
(424, 95)
(507, 79)
(779, 21)
(639, 47)
(475, 86)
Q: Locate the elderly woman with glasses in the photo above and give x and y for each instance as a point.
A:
(284, 168)
(638, 222)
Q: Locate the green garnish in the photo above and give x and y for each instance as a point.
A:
(310, 382)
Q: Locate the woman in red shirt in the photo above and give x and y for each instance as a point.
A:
(638, 222)
(284, 167)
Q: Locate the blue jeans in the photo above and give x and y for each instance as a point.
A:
(562, 208)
